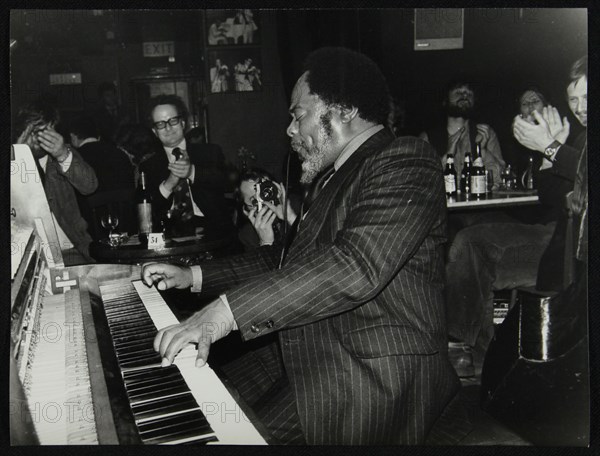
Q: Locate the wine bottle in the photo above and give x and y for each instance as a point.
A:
(465, 176)
(450, 176)
(478, 183)
(143, 200)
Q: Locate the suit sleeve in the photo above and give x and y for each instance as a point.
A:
(222, 274)
(555, 182)
(399, 197)
(80, 174)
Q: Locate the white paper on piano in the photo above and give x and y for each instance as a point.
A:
(230, 423)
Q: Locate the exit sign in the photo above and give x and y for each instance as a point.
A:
(159, 48)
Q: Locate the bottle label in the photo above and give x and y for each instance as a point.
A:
(144, 211)
(450, 183)
(478, 185)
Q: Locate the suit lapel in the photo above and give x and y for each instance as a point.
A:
(312, 225)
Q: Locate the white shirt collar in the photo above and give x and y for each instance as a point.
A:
(354, 144)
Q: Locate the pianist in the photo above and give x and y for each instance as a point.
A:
(358, 303)
(62, 171)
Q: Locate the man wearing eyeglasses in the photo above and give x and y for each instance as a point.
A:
(194, 168)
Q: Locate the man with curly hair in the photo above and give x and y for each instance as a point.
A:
(358, 300)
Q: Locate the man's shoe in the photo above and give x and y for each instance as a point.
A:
(461, 358)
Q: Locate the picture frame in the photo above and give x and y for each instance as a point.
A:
(227, 27)
(235, 70)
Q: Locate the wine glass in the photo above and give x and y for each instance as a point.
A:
(109, 221)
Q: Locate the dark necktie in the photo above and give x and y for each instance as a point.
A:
(313, 191)
(182, 209)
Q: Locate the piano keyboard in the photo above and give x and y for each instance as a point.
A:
(175, 404)
(57, 381)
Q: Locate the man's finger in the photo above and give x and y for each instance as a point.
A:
(178, 341)
(203, 350)
(539, 118)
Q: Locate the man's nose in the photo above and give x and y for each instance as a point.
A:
(292, 129)
(582, 105)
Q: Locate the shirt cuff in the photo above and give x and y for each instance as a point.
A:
(66, 163)
(226, 302)
(196, 279)
(192, 174)
(163, 190)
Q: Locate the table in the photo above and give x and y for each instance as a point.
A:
(183, 250)
(498, 198)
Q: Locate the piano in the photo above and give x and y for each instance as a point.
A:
(82, 367)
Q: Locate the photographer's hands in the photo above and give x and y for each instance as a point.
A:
(262, 221)
(278, 210)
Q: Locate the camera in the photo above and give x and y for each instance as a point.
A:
(266, 191)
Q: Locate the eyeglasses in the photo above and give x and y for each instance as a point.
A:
(161, 124)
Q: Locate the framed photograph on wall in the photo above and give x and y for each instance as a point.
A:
(232, 27)
(235, 70)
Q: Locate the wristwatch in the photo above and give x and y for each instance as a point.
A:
(551, 150)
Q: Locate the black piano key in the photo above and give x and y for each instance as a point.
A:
(136, 354)
(156, 385)
(166, 406)
(147, 340)
(175, 427)
(153, 361)
(153, 395)
(151, 372)
(130, 383)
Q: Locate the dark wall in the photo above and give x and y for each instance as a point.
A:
(504, 50)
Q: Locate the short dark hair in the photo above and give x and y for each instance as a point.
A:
(41, 111)
(457, 83)
(83, 127)
(578, 70)
(254, 174)
(105, 87)
(172, 100)
(340, 76)
(535, 90)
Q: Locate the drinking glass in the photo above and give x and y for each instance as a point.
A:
(489, 180)
(110, 221)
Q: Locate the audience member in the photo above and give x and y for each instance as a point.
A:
(498, 256)
(265, 226)
(461, 131)
(360, 289)
(109, 115)
(112, 166)
(62, 170)
(191, 174)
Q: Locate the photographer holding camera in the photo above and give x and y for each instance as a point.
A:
(263, 204)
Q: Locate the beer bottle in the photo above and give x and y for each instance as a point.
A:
(450, 176)
(143, 200)
(478, 184)
(465, 175)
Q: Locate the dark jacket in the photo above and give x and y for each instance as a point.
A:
(59, 187)
(553, 185)
(208, 188)
(361, 290)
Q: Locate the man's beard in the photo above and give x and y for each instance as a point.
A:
(456, 110)
(314, 156)
(312, 160)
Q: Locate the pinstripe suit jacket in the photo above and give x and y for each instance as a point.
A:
(361, 289)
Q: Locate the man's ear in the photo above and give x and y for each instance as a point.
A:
(348, 113)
